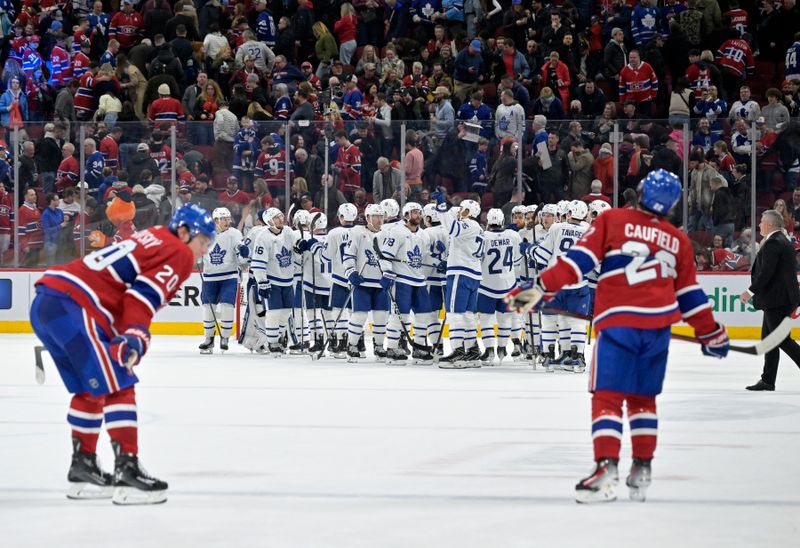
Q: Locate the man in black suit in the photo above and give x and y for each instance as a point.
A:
(774, 290)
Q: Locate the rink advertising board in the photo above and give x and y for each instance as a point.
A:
(183, 316)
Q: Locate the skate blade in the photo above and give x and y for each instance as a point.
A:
(448, 365)
(638, 494)
(130, 496)
(472, 365)
(423, 362)
(396, 362)
(205, 352)
(588, 496)
(88, 491)
(352, 360)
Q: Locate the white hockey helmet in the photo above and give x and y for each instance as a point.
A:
(455, 210)
(374, 209)
(321, 223)
(550, 209)
(598, 206)
(347, 212)
(473, 207)
(270, 215)
(495, 217)
(391, 208)
(531, 209)
(411, 206)
(562, 207)
(301, 217)
(578, 210)
(519, 209)
(221, 213)
(429, 211)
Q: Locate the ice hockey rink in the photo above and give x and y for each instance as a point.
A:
(294, 453)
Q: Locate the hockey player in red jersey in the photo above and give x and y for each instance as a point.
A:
(93, 316)
(647, 283)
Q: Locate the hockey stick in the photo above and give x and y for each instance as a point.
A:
(530, 314)
(37, 351)
(381, 256)
(341, 311)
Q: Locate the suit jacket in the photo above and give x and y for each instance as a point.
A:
(774, 275)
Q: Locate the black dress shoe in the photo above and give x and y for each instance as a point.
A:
(762, 386)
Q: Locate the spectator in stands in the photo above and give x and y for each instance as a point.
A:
(603, 168)
(794, 210)
(666, 156)
(414, 164)
(311, 168)
(592, 98)
(555, 74)
(386, 180)
(552, 181)
(638, 83)
(700, 194)
(711, 107)
(503, 176)
(226, 126)
(774, 112)
(346, 29)
(703, 137)
(744, 107)
(722, 210)
(681, 102)
(596, 193)
(469, 70)
(335, 198)
(140, 162)
(788, 222)
(14, 99)
(615, 57)
(548, 105)
(52, 223)
(580, 161)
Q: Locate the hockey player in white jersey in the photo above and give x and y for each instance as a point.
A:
(364, 273)
(317, 283)
(252, 335)
(221, 281)
(465, 249)
(499, 276)
(438, 237)
(405, 256)
(333, 253)
(300, 328)
(520, 222)
(574, 298)
(273, 268)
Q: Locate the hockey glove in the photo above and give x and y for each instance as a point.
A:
(244, 251)
(524, 247)
(439, 196)
(441, 208)
(355, 279)
(387, 281)
(440, 247)
(527, 297)
(715, 344)
(305, 245)
(264, 289)
(441, 268)
(129, 347)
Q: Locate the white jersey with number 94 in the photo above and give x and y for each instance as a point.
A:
(559, 239)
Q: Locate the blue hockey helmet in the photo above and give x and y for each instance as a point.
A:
(194, 218)
(661, 190)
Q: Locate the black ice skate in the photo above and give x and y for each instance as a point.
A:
(639, 479)
(298, 349)
(404, 345)
(438, 350)
(395, 356)
(362, 346)
(454, 360)
(208, 346)
(377, 349)
(275, 350)
(422, 356)
(601, 485)
(223, 344)
(317, 347)
(549, 361)
(132, 484)
(472, 357)
(353, 355)
(487, 358)
(86, 479)
(340, 352)
(517, 351)
(502, 354)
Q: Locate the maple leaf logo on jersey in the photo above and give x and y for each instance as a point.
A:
(284, 258)
(415, 257)
(217, 255)
(648, 21)
(372, 260)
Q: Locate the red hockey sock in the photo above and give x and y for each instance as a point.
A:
(86, 420)
(120, 415)
(644, 425)
(606, 423)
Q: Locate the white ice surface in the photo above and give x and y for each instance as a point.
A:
(294, 453)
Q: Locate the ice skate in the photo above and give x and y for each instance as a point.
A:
(340, 351)
(298, 349)
(578, 363)
(472, 357)
(207, 347)
(362, 347)
(394, 356)
(378, 350)
(454, 360)
(403, 345)
(639, 479)
(438, 350)
(517, 351)
(422, 356)
(549, 361)
(132, 484)
(487, 358)
(353, 355)
(223, 344)
(275, 350)
(502, 355)
(601, 485)
(316, 348)
(86, 479)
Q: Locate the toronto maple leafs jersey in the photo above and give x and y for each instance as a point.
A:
(360, 256)
(436, 234)
(273, 257)
(465, 246)
(222, 261)
(316, 271)
(333, 254)
(559, 239)
(500, 263)
(410, 249)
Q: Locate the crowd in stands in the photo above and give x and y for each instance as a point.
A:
(243, 103)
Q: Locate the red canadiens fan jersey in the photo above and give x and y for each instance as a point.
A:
(348, 159)
(125, 283)
(271, 166)
(736, 57)
(647, 273)
(637, 84)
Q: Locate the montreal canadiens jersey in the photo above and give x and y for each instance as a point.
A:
(360, 256)
(126, 283)
(222, 260)
(333, 253)
(500, 263)
(273, 257)
(436, 234)
(647, 273)
(556, 243)
(411, 251)
(316, 273)
(465, 247)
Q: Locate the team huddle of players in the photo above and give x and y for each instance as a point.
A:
(313, 291)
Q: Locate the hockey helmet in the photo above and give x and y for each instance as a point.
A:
(455, 210)
(472, 207)
(430, 212)
(562, 207)
(301, 218)
(661, 190)
(598, 206)
(550, 209)
(495, 217)
(270, 215)
(519, 209)
(531, 209)
(347, 213)
(373, 209)
(391, 208)
(321, 223)
(221, 213)
(411, 206)
(195, 219)
(578, 210)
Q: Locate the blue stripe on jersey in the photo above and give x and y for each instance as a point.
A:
(494, 292)
(125, 270)
(614, 262)
(220, 274)
(277, 279)
(582, 259)
(691, 300)
(84, 423)
(456, 268)
(148, 293)
(120, 416)
(607, 424)
(410, 278)
(644, 423)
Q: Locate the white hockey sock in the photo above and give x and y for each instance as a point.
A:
(504, 323)
(209, 325)
(564, 334)
(434, 329)
(549, 331)
(578, 332)
(355, 327)
(456, 322)
(272, 325)
(379, 319)
(421, 325)
(487, 329)
(226, 313)
(516, 326)
(470, 330)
